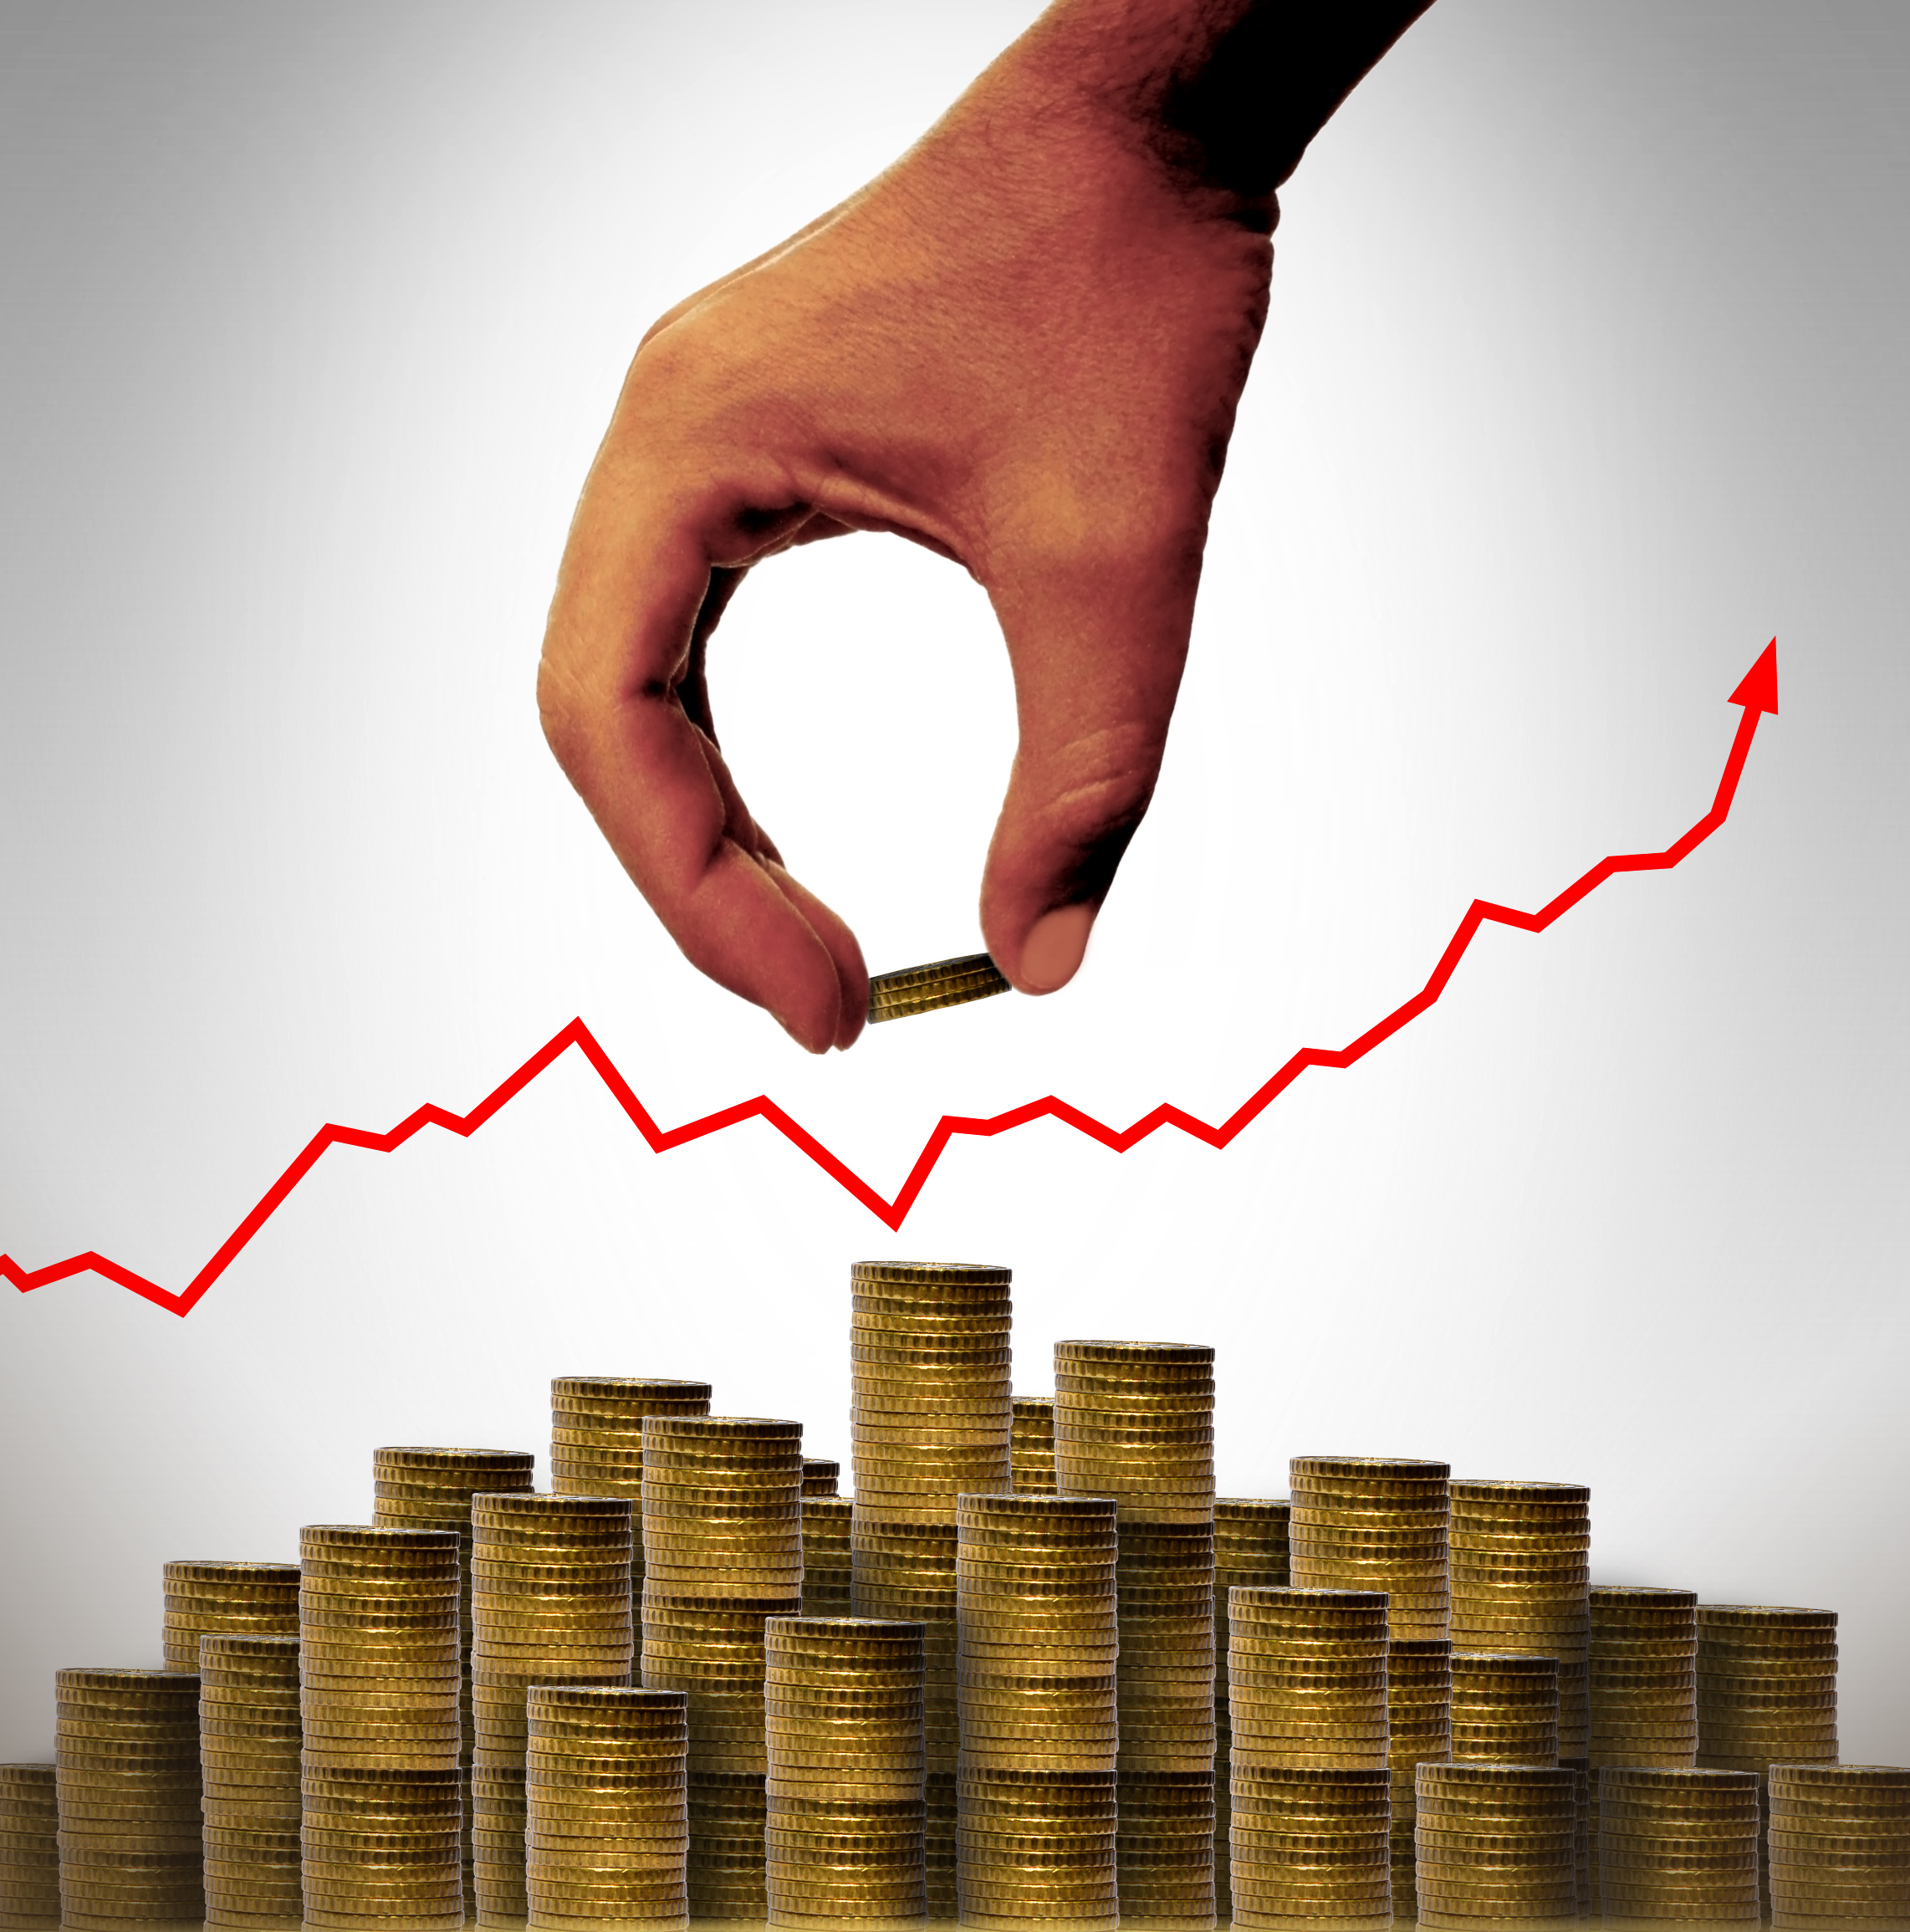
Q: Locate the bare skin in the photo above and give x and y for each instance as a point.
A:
(1021, 346)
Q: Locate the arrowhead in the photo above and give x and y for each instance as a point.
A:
(1758, 691)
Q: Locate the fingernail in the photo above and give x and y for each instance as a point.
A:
(1052, 954)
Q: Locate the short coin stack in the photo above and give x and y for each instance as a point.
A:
(1839, 1844)
(1375, 1523)
(1033, 1445)
(1250, 1550)
(844, 1836)
(1311, 1843)
(29, 1847)
(722, 1525)
(126, 1745)
(255, 1599)
(249, 1744)
(1038, 1646)
(1496, 1841)
(1678, 1844)
(941, 983)
(826, 1562)
(1419, 1730)
(606, 1819)
(821, 1475)
(383, 1845)
(1505, 1707)
(1644, 1678)
(551, 1603)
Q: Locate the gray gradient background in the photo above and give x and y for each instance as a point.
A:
(1585, 374)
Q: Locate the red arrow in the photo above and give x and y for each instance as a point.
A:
(1757, 693)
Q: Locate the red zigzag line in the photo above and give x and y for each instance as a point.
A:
(892, 1213)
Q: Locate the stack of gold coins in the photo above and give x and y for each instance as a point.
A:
(1505, 1707)
(1032, 1445)
(254, 1599)
(1419, 1730)
(1038, 1845)
(1375, 1523)
(1587, 1836)
(1134, 1420)
(821, 1475)
(1496, 1841)
(1839, 1844)
(931, 1420)
(1311, 1843)
(29, 1847)
(381, 1844)
(549, 1604)
(1249, 1551)
(249, 1743)
(1678, 1844)
(722, 1525)
(847, 1762)
(1521, 1555)
(126, 1750)
(605, 1790)
(826, 1562)
(431, 1488)
(1306, 1679)
(1767, 1689)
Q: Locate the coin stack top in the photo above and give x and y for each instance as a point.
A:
(1310, 1842)
(1419, 1730)
(1249, 1551)
(250, 1737)
(1495, 1842)
(1307, 1679)
(1032, 1446)
(259, 1599)
(29, 1847)
(1840, 1844)
(381, 1844)
(1678, 1844)
(1134, 1420)
(1505, 1707)
(1375, 1523)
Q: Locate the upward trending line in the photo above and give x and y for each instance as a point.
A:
(1757, 693)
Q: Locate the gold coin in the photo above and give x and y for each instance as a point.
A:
(915, 989)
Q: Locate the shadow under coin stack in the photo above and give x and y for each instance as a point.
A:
(1419, 1730)
(722, 1553)
(1310, 1787)
(1678, 1844)
(1505, 1709)
(843, 1840)
(606, 1820)
(1767, 1690)
(253, 1599)
(931, 1420)
(1840, 1845)
(1496, 1841)
(250, 1739)
(1039, 1643)
(1375, 1523)
(1134, 1420)
(1033, 1445)
(549, 1604)
(29, 1847)
(1249, 1551)
(126, 1745)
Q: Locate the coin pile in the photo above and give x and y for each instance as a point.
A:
(1678, 1844)
(1419, 1730)
(1496, 1841)
(1521, 1555)
(844, 1698)
(922, 988)
(1306, 1679)
(722, 1523)
(1505, 1707)
(1032, 1445)
(126, 1750)
(1249, 1551)
(549, 1604)
(257, 1599)
(1375, 1523)
(1840, 1844)
(1311, 1843)
(249, 1744)
(826, 1521)
(30, 1847)
(383, 1844)
(606, 1820)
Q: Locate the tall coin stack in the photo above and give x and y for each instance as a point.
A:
(1375, 1523)
(1033, 1445)
(1678, 1844)
(1419, 1730)
(253, 1599)
(1310, 1842)
(826, 1562)
(431, 1488)
(1839, 1844)
(383, 1845)
(606, 1818)
(126, 1746)
(1505, 1707)
(549, 1604)
(723, 1552)
(1134, 1420)
(1039, 1642)
(250, 1739)
(1250, 1551)
(29, 1847)
(844, 1838)
(932, 1419)
(1496, 1841)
